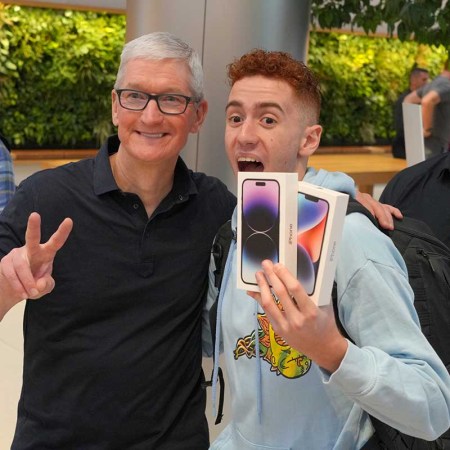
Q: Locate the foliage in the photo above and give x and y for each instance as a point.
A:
(57, 69)
(361, 77)
(425, 21)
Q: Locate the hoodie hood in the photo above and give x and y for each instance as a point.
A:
(337, 181)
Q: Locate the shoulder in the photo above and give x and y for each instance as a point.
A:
(337, 181)
(4, 151)
(404, 182)
(440, 84)
(5, 157)
(4, 143)
(51, 183)
(206, 181)
(402, 96)
(363, 242)
(210, 185)
(370, 269)
(358, 227)
(409, 173)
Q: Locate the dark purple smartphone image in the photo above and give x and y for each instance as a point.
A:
(312, 220)
(260, 225)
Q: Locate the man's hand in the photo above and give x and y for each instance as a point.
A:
(427, 132)
(301, 323)
(382, 212)
(26, 272)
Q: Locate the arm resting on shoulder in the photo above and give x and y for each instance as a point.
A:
(383, 212)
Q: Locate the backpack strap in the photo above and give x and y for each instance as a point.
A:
(354, 206)
(220, 250)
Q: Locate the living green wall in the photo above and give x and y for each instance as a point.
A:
(361, 77)
(57, 69)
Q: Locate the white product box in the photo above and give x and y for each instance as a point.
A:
(321, 214)
(414, 142)
(267, 223)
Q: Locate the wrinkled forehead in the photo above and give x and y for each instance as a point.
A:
(156, 74)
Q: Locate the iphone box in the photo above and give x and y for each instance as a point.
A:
(321, 215)
(267, 223)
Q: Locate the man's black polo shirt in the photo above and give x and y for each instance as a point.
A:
(113, 354)
(422, 191)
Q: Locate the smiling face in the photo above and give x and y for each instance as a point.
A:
(266, 127)
(149, 135)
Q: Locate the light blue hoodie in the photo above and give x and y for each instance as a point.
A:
(282, 400)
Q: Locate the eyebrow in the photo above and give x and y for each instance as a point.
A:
(136, 87)
(260, 105)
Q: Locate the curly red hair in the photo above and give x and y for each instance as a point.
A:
(281, 65)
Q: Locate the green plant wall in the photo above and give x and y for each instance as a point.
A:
(361, 77)
(57, 69)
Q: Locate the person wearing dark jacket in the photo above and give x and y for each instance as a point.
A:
(422, 191)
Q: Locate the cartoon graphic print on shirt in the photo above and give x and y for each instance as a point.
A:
(283, 359)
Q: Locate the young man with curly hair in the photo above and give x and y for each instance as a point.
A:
(302, 385)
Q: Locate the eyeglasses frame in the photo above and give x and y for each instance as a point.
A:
(156, 98)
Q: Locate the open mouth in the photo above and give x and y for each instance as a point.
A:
(250, 165)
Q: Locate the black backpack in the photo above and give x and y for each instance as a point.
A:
(428, 263)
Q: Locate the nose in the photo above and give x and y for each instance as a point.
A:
(248, 135)
(151, 113)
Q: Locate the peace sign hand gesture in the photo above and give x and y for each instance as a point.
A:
(26, 272)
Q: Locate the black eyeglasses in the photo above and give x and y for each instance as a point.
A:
(167, 103)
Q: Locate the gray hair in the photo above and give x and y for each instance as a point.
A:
(163, 45)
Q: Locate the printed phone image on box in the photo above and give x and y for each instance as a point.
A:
(321, 215)
(312, 221)
(265, 227)
(260, 225)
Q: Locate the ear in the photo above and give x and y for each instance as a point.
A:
(200, 115)
(310, 141)
(114, 107)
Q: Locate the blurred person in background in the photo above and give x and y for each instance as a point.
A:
(7, 185)
(435, 100)
(418, 77)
